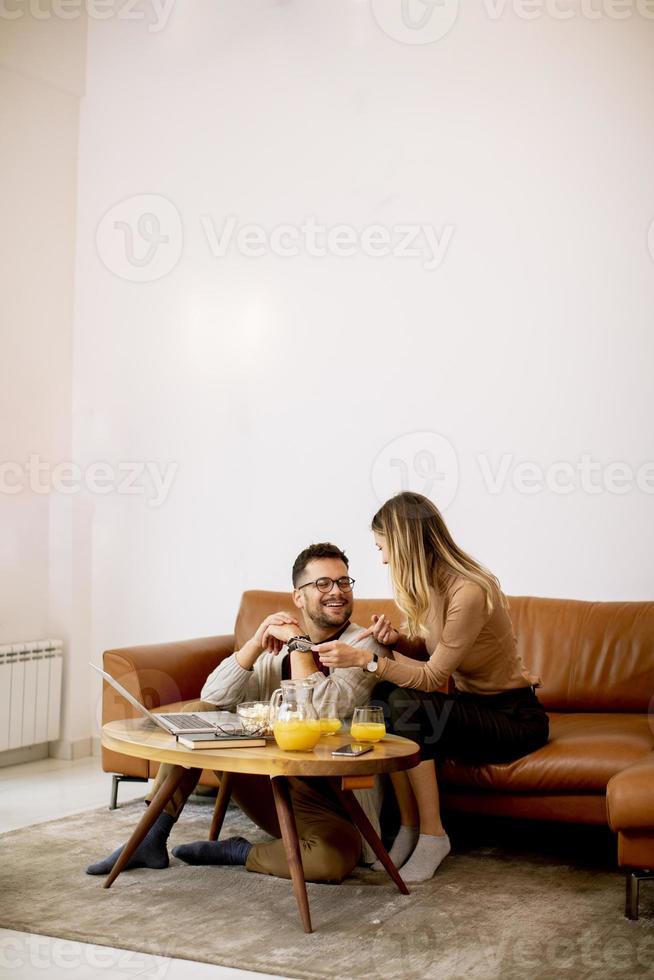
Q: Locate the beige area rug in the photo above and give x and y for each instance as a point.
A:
(490, 912)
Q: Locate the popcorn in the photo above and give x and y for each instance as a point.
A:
(255, 717)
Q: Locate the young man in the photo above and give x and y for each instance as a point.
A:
(330, 844)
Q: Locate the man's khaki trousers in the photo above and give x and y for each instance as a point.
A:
(329, 843)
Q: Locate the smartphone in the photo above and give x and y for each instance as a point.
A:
(353, 750)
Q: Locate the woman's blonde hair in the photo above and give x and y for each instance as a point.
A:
(419, 546)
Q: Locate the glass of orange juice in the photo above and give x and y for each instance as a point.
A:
(330, 723)
(368, 724)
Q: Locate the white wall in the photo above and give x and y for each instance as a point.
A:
(42, 68)
(273, 383)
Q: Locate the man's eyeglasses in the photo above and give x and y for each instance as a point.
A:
(325, 584)
(253, 730)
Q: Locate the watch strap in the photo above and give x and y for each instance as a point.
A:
(293, 643)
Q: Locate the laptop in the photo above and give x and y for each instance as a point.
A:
(195, 723)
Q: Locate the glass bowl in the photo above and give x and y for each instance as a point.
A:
(255, 717)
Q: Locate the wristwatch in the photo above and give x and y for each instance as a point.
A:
(301, 643)
(373, 664)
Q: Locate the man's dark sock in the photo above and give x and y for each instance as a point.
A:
(151, 852)
(235, 850)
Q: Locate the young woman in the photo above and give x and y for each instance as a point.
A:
(491, 713)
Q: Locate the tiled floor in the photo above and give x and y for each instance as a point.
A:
(52, 788)
(46, 790)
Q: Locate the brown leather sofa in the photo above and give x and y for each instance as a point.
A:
(596, 661)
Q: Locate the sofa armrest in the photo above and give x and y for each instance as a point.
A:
(156, 675)
(630, 797)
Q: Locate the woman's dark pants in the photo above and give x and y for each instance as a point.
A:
(471, 728)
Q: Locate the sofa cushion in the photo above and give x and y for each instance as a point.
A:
(591, 656)
(585, 750)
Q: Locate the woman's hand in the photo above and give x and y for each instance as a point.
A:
(337, 654)
(383, 631)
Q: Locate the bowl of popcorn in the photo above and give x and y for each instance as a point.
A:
(255, 717)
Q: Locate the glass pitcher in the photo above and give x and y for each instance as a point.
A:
(296, 725)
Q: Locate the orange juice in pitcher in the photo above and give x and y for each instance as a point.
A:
(296, 725)
(297, 735)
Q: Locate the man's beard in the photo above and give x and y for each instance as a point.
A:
(320, 617)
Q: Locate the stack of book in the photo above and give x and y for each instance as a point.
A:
(231, 740)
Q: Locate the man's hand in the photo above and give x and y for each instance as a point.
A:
(272, 643)
(383, 631)
(250, 652)
(277, 634)
(337, 654)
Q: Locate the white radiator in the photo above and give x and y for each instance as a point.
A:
(30, 693)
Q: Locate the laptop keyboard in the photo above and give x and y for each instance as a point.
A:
(188, 721)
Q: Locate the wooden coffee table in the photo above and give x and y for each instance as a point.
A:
(144, 741)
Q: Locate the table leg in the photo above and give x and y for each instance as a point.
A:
(282, 796)
(161, 798)
(361, 822)
(222, 802)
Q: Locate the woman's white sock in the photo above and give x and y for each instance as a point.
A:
(428, 854)
(403, 845)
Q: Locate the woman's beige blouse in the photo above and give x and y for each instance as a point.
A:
(475, 648)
